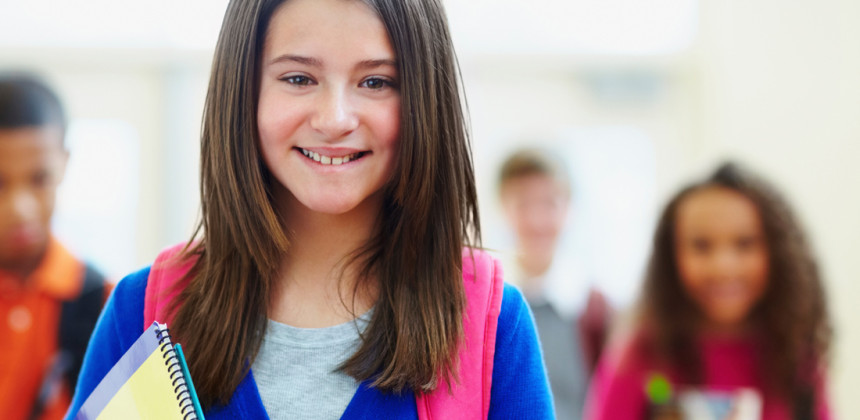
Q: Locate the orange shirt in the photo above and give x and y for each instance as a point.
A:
(29, 318)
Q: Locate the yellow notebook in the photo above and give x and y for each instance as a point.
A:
(150, 381)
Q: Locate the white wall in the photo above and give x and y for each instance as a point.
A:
(773, 83)
(780, 88)
(159, 97)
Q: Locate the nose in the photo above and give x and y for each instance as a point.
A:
(335, 116)
(23, 205)
(725, 263)
(534, 220)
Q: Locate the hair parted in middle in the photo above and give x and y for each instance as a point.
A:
(429, 213)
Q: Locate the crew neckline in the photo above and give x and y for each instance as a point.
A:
(317, 337)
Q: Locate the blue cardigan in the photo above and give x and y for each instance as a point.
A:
(520, 389)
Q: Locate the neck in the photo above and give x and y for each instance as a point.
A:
(725, 330)
(315, 288)
(534, 265)
(21, 271)
(534, 268)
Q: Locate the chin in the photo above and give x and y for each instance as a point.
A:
(22, 258)
(729, 317)
(331, 206)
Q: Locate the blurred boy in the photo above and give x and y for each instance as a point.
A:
(534, 189)
(49, 300)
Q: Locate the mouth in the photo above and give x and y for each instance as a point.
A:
(24, 236)
(727, 292)
(331, 158)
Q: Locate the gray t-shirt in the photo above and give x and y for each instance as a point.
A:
(565, 365)
(295, 370)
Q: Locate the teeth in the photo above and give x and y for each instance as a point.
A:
(327, 160)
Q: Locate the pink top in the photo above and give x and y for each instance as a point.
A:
(617, 389)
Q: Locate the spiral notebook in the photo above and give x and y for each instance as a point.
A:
(150, 381)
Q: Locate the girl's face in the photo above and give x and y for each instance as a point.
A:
(722, 254)
(329, 106)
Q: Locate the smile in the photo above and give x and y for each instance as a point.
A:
(329, 160)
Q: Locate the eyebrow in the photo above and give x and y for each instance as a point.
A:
(372, 64)
(308, 61)
(314, 62)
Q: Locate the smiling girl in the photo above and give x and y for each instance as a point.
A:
(735, 319)
(328, 277)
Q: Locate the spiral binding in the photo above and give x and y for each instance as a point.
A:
(174, 369)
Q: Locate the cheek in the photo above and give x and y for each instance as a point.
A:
(384, 123)
(275, 142)
(5, 210)
(513, 213)
(557, 216)
(532, 219)
(268, 133)
(47, 199)
(757, 270)
(268, 150)
(547, 221)
(387, 126)
(693, 272)
(691, 269)
(277, 121)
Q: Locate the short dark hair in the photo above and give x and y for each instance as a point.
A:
(26, 101)
(533, 161)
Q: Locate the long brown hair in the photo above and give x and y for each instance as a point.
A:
(792, 315)
(429, 213)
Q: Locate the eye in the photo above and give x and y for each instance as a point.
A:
(298, 80)
(40, 179)
(701, 246)
(377, 83)
(746, 243)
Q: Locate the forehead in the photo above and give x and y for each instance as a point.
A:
(534, 184)
(22, 148)
(348, 28)
(717, 210)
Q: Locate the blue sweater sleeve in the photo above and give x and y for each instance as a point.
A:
(520, 387)
(118, 327)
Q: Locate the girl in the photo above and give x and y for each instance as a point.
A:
(337, 192)
(734, 318)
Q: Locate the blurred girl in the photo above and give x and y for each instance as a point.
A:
(326, 279)
(734, 320)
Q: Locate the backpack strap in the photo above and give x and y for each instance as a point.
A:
(469, 398)
(169, 267)
(592, 328)
(78, 319)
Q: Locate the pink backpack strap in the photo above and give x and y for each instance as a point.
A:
(470, 398)
(167, 269)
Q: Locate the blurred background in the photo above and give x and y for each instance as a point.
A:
(641, 97)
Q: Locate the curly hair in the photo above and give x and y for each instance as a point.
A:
(796, 329)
